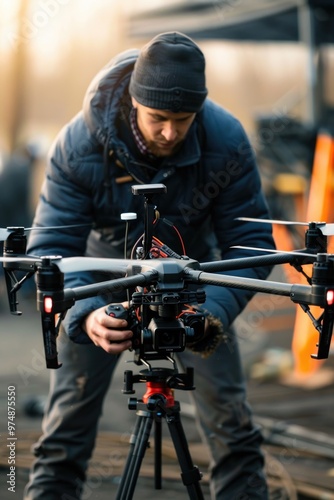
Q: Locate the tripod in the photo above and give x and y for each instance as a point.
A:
(157, 404)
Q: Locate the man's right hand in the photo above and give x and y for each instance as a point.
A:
(107, 332)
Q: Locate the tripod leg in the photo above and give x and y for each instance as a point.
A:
(157, 454)
(138, 445)
(190, 473)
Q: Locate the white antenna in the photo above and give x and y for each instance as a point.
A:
(129, 216)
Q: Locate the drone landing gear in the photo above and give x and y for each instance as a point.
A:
(158, 403)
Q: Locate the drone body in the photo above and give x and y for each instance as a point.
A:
(166, 280)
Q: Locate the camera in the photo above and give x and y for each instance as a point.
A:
(165, 331)
(164, 336)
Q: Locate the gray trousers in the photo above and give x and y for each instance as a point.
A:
(75, 404)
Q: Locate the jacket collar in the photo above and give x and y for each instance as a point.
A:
(106, 94)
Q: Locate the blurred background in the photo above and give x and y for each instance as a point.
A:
(268, 62)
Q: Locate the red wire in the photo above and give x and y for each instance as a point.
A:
(156, 240)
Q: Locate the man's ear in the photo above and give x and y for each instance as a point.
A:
(134, 102)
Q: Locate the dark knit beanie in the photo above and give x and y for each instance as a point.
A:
(169, 74)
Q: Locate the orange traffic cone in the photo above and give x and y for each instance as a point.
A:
(320, 208)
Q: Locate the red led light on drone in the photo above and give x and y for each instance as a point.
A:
(48, 303)
(330, 297)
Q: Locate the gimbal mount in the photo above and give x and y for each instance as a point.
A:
(167, 279)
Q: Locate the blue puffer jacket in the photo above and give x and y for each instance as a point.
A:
(210, 182)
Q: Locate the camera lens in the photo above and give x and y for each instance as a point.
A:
(167, 335)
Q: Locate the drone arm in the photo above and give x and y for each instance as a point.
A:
(256, 261)
(115, 285)
(239, 282)
(303, 295)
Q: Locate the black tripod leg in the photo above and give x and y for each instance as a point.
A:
(157, 455)
(138, 446)
(190, 473)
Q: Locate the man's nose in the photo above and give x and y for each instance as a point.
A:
(169, 132)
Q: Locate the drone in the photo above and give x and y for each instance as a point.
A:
(162, 283)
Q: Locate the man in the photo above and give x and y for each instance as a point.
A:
(146, 119)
